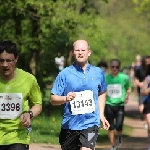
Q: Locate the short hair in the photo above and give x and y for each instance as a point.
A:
(8, 46)
(117, 60)
(148, 70)
(143, 61)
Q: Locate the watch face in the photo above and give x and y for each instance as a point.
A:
(31, 114)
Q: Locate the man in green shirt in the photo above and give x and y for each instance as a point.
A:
(20, 100)
(118, 90)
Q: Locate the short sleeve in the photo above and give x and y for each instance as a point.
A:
(102, 87)
(35, 97)
(59, 85)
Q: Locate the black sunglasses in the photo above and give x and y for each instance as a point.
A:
(117, 67)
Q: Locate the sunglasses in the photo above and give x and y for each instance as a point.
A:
(117, 67)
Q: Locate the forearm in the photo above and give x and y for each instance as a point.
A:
(57, 100)
(144, 89)
(128, 93)
(36, 109)
(101, 103)
(138, 83)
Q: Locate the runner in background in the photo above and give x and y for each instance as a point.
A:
(20, 100)
(103, 65)
(134, 67)
(140, 74)
(81, 88)
(118, 90)
(145, 90)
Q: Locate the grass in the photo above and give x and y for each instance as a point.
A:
(46, 126)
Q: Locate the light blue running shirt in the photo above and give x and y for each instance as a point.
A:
(73, 79)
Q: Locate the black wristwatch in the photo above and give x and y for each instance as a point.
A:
(31, 114)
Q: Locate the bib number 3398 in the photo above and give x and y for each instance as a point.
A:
(10, 105)
(83, 103)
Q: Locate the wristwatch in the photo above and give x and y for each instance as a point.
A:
(31, 114)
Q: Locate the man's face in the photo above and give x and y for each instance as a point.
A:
(7, 64)
(81, 51)
(114, 66)
(147, 61)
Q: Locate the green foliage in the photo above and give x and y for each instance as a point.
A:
(142, 5)
(41, 29)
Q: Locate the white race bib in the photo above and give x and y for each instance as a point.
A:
(83, 103)
(114, 90)
(10, 105)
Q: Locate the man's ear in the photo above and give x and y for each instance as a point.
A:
(89, 53)
(17, 58)
(72, 53)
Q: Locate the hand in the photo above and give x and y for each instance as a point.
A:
(25, 119)
(70, 96)
(105, 123)
(140, 84)
(126, 100)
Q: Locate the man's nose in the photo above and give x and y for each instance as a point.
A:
(5, 63)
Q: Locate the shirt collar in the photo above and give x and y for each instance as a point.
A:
(78, 68)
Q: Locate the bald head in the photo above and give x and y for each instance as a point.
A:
(79, 43)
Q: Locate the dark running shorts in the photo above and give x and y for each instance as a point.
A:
(146, 109)
(16, 146)
(115, 116)
(74, 139)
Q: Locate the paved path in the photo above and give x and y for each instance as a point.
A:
(136, 141)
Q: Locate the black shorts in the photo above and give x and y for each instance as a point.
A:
(16, 146)
(115, 113)
(74, 139)
(146, 109)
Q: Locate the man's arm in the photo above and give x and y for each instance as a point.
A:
(137, 83)
(36, 109)
(144, 89)
(58, 100)
(101, 106)
(101, 102)
(127, 95)
(26, 118)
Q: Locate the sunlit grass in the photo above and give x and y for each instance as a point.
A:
(46, 129)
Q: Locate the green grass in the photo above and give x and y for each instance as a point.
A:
(46, 126)
(46, 129)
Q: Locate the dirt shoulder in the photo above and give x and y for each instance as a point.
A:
(136, 141)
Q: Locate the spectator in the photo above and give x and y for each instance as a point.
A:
(103, 65)
(60, 61)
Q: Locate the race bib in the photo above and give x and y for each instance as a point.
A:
(83, 103)
(114, 90)
(10, 105)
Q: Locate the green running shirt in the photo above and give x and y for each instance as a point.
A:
(116, 89)
(15, 97)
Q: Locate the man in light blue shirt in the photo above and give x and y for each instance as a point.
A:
(81, 88)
